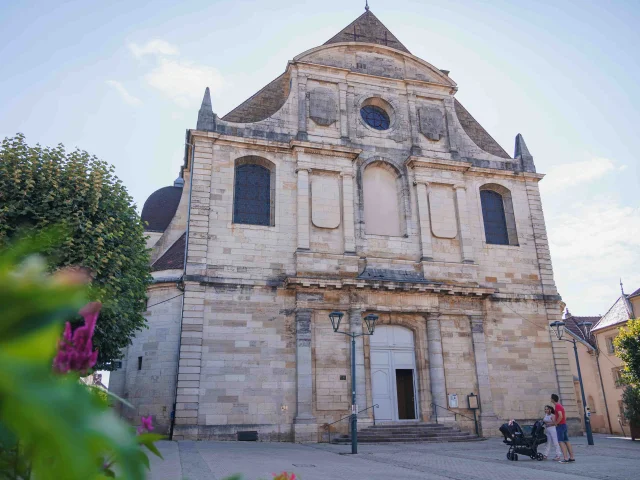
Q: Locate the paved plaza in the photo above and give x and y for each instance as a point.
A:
(611, 458)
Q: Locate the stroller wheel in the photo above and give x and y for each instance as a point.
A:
(515, 457)
(539, 457)
(508, 455)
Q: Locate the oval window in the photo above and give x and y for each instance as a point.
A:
(375, 117)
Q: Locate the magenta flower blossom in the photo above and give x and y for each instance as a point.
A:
(145, 425)
(75, 350)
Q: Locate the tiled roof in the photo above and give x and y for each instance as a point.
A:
(618, 313)
(160, 207)
(477, 133)
(634, 294)
(262, 104)
(368, 29)
(571, 323)
(173, 258)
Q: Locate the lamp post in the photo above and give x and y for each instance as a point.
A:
(370, 321)
(585, 327)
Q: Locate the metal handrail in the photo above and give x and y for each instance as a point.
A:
(327, 426)
(455, 413)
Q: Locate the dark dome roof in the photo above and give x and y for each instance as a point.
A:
(160, 208)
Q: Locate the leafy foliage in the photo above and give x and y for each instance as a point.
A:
(627, 347)
(41, 187)
(631, 402)
(52, 426)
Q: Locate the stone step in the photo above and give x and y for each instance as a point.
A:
(409, 432)
(466, 438)
(403, 429)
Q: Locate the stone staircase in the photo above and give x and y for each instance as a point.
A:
(414, 432)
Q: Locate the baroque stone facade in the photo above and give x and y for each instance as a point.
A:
(354, 182)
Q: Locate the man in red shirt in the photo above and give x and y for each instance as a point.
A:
(561, 430)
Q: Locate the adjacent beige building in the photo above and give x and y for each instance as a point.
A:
(599, 365)
(356, 182)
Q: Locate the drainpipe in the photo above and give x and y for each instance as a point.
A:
(181, 283)
(604, 394)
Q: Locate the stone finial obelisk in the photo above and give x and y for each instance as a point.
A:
(206, 117)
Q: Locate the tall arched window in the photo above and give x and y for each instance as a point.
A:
(497, 215)
(381, 200)
(253, 193)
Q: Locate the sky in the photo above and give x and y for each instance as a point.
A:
(124, 80)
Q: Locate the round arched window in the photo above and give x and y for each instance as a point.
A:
(375, 117)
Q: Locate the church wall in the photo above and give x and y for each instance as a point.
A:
(151, 389)
(331, 360)
(249, 327)
(249, 251)
(246, 374)
(522, 363)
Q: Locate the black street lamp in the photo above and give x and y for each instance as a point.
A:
(370, 321)
(585, 328)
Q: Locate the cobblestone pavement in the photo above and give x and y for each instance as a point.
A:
(610, 458)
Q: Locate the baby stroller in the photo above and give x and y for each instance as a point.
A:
(524, 441)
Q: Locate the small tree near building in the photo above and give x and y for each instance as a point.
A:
(42, 187)
(627, 347)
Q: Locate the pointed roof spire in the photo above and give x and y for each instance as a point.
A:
(621, 287)
(206, 117)
(522, 154)
(366, 5)
(368, 29)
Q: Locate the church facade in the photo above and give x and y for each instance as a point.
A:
(354, 182)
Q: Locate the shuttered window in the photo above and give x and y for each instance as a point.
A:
(495, 224)
(252, 195)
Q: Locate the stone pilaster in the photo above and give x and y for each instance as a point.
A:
(199, 216)
(302, 108)
(305, 428)
(489, 422)
(425, 222)
(348, 213)
(344, 117)
(464, 229)
(540, 238)
(190, 363)
(452, 133)
(436, 368)
(413, 120)
(303, 209)
(355, 326)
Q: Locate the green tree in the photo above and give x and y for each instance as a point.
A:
(627, 345)
(41, 187)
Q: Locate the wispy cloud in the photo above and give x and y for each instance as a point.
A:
(593, 245)
(180, 80)
(124, 94)
(183, 82)
(153, 47)
(571, 174)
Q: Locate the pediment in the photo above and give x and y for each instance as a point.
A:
(376, 60)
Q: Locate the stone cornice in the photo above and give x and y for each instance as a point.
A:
(422, 287)
(430, 163)
(325, 149)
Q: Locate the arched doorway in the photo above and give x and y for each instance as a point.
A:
(393, 374)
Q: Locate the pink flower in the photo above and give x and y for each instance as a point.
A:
(75, 350)
(283, 476)
(145, 424)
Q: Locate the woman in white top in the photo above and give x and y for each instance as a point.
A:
(550, 430)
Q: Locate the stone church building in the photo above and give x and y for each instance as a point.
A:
(353, 182)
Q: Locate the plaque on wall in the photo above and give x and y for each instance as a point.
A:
(323, 108)
(432, 123)
(325, 201)
(442, 211)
